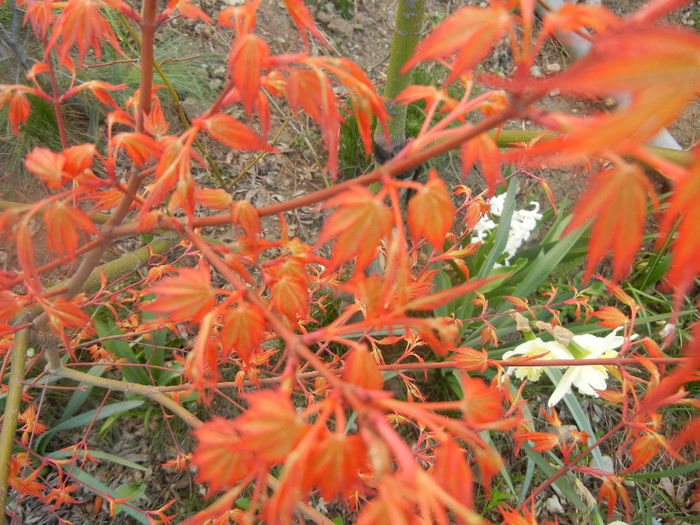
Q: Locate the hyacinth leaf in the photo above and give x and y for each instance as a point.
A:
(579, 415)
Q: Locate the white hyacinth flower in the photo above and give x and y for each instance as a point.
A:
(534, 348)
(586, 379)
(522, 224)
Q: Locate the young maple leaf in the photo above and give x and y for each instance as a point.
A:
(271, 427)
(311, 91)
(302, 18)
(358, 225)
(235, 134)
(55, 169)
(61, 221)
(174, 165)
(430, 211)
(684, 208)
(215, 199)
(10, 306)
(335, 464)
(247, 59)
(243, 328)
(220, 455)
(245, 215)
(611, 488)
(46, 165)
(659, 67)
(291, 297)
(185, 297)
(241, 17)
(82, 22)
(470, 33)
(187, 10)
(19, 107)
(360, 368)
(611, 317)
(452, 472)
(481, 404)
(365, 101)
(66, 315)
(616, 202)
(138, 146)
(482, 149)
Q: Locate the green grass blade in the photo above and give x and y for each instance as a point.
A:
(502, 231)
(79, 397)
(99, 454)
(99, 488)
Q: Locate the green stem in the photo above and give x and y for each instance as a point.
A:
(409, 21)
(9, 421)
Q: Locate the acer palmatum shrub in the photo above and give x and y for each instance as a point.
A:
(316, 418)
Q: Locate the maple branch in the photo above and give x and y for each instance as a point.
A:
(403, 367)
(133, 388)
(9, 420)
(393, 167)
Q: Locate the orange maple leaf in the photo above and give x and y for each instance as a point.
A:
(185, 297)
(19, 107)
(220, 455)
(611, 488)
(358, 225)
(234, 134)
(61, 221)
(365, 101)
(470, 33)
(247, 59)
(138, 146)
(10, 305)
(187, 10)
(82, 22)
(616, 202)
(611, 317)
(291, 297)
(243, 328)
(684, 208)
(360, 368)
(311, 91)
(335, 464)
(216, 199)
(302, 18)
(271, 427)
(452, 472)
(430, 211)
(482, 149)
